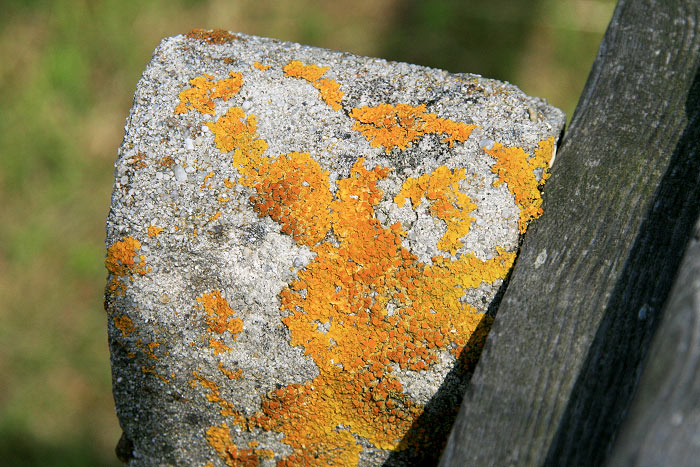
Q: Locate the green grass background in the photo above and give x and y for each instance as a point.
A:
(68, 71)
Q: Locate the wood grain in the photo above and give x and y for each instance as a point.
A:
(587, 293)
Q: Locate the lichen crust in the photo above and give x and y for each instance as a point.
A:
(303, 247)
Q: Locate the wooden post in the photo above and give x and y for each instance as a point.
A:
(567, 348)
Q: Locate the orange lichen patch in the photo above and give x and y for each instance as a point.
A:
(365, 304)
(218, 346)
(123, 262)
(293, 190)
(138, 161)
(227, 408)
(261, 67)
(124, 324)
(401, 125)
(204, 90)
(231, 133)
(517, 169)
(441, 189)
(311, 73)
(219, 314)
(166, 162)
(216, 36)
(152, 370)
(219, 437)
(329, 91)
(238, 374)
(153, 231)
(215, 216)
(350, 287)
(204, 182)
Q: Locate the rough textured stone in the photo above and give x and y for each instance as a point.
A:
(303, 246)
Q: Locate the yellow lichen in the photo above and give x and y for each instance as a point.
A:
(401, 125)
(204, 90)
(517, 169)
(441, 189)
(261, 67)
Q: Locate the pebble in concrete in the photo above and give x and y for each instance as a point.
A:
(302, 248)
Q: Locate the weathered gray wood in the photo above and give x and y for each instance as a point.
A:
(564, 355)
(663, 425)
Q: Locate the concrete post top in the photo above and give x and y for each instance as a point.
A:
(302, 248)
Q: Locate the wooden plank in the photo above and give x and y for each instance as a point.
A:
(565, 353)
(663, 425)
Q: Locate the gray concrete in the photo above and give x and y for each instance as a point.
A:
(292, 273)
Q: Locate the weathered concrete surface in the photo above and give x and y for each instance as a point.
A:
(302, 249)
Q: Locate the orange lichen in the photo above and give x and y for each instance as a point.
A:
(152, 370)
(122, 262)
(166, 162)
(216, 36)
(124, 324)
(441, 189)
(311, 73)
(294, 191)
(219, 437)
(231, 133)
(204, 90)
(218, 346)
(350, 287)
(401, 125)
(261, 67)
(204, 182)
(227, 408)
(517, 169)
(328, 89)
(153, 231)
(138, 161)
(365, 305)
(238, 374)
(219, 314)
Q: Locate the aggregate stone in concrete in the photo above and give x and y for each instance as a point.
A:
(304, 247)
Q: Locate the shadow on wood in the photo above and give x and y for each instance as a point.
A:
(567, 347)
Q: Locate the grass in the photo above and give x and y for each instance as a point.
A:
(67, 76)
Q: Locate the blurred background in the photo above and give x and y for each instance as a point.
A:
(68, 71)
